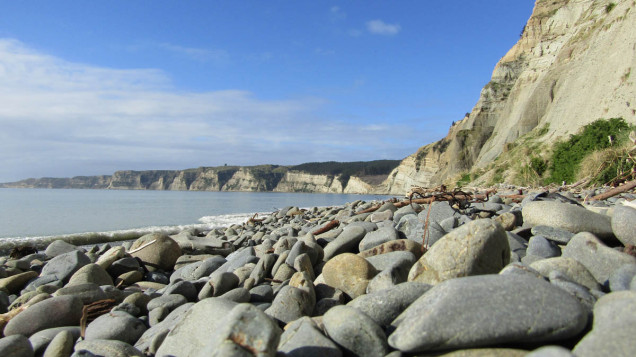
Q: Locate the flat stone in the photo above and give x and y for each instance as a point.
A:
(61, 345)
(487, 310)
(41, 340)
(487, 352)
(382, 235)
(392, 259)
(624, 224)
(381, 216)
(193, 332)
(169, 301)
(507, 220)
(15, 346)
(159, 251)
(262, 293)
(117, 325)
(295, 300)
(91, 273)
(621, 278)
(16, 282)
(237, 295)
(557, 235)
(54, 312)
(302, 338)
(246, 330)
(149, 340)
(355, 332)
(348, 273)
(613, 329)
(569, 267)
(59, 247)
(518, 245)
(598, 258)
(88, 292)
(479, 247)
(183, 288)
(566, 216)
(398, 245)
(110, 256)
(539, 246)
(124, 265)
(108, 348)
(384, 306)
(346, 242)
(65, 265)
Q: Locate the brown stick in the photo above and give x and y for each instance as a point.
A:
(327, 227)
(615, 191)
(370, 209)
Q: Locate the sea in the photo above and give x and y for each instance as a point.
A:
(39, 216)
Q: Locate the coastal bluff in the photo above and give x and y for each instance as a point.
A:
(326, 177)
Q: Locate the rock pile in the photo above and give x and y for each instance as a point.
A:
(544, 277)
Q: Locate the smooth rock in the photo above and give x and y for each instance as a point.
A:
(54, 312)
(159, 251)
(346, 242)
(550, 351)
(569, 267)
(539, 246)
(168, 301)
(246, 330)
(110, 256)
(487, 310)
(41, 340)
(65, 265)
(348, 273)
(624, 224)
(614, 327)
(15, 346)
(59, 247)
(108, 348)
(382, 235)
(399, 245)
(384, 306)
(355, 332)
(61, 345)
(88, 292)
(566, 216)
(117, 325)
(14, 283)
(237, 295)
(193, 332)
(479, 247)
(560, 236)
(91, 273)
(302, 338)
(153, 336)
(598, 258)
(621, 278)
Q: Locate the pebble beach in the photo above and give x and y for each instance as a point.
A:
(545, 273)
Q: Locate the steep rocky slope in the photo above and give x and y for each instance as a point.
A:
(572, 65)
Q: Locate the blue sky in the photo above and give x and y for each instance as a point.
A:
(90, 87)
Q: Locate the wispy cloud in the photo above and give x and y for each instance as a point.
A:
(197, 54)
(337, 14)
(379, 27)
(60, 118)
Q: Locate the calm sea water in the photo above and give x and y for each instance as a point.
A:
(40, 215)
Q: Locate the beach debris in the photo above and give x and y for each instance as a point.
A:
(23, 251)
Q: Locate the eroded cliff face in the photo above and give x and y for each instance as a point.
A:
(572, 65)
(255, 178)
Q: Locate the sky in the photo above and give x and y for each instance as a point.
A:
(92, 87)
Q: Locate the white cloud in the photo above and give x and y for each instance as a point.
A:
(379, 27)
(60, 118)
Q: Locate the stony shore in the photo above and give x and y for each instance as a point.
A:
(550, 275)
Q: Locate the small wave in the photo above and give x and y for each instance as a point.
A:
(90, 238)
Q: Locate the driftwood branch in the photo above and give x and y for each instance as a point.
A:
(327, 227)
(615, 191)
(142, 247)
